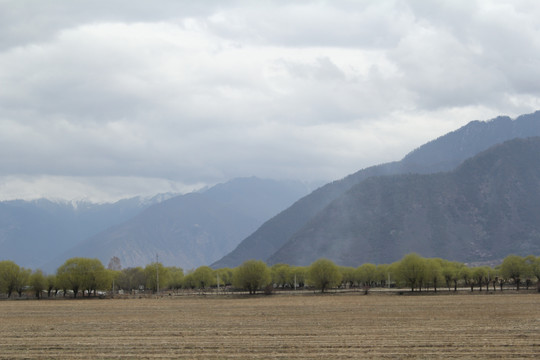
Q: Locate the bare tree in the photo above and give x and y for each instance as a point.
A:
(114, 264)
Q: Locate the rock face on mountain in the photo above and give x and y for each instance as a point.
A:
(193, 229)
(486, 209)
(442, 154)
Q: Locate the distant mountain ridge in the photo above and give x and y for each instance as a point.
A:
(486, 209)
(193, 229)
(32, 232)
(446, 152)
(442, 154)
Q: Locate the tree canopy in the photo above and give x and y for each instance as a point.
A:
(87, 276)
(252, 275)
(83, 274)
(324, 274)
(9, 277)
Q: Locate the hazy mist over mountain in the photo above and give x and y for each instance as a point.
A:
(190, 230)
(32, 232)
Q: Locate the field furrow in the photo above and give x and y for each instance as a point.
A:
(275, 327)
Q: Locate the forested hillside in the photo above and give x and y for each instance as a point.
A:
(484, 210)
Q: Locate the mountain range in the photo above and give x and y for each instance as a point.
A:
(190, 230)
(484, 210)
(33, 232)
(427, 202)
(442, 154)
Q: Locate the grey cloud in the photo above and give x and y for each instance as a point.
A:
(198, 92)
(301, 24)
(24, 22)
(323, 69)
(478, 60)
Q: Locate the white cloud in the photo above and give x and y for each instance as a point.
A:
(190, 93)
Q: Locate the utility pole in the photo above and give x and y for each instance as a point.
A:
(157, 274)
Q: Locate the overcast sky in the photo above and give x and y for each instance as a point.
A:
(106, 99)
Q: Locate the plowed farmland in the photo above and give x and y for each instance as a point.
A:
(274, 327)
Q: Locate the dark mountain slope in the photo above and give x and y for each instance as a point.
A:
(484, 210)
(275, 232)
(442, 154)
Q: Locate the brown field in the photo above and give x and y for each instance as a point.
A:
(274, 327)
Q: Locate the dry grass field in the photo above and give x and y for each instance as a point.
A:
(276, 327)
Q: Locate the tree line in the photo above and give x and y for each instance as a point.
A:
(89, 277)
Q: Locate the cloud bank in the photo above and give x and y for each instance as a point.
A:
(107, 99)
